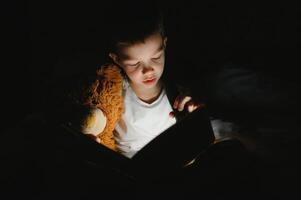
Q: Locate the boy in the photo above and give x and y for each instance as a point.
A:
(138, 46)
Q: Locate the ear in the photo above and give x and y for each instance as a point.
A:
(165, 41)
(114, 57)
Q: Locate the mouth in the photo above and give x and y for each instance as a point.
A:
(149, 80)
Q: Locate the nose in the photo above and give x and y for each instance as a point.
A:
(147, 69)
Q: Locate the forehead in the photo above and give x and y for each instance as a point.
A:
(151, 45)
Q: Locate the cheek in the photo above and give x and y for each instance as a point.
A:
(160, 67)
(161, 64)
(134, 75)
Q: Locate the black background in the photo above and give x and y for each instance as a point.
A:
(38, 36)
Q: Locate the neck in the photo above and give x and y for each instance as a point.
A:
(148, 95)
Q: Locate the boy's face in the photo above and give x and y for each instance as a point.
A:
(143, 62)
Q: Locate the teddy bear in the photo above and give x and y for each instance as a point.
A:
(104, 103)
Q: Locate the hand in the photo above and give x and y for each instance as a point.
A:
(95, 138)
(185, 103)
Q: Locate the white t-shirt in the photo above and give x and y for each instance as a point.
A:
(141, 122)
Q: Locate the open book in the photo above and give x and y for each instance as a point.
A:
(169, 151)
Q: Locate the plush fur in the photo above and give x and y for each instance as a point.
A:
(105, 93)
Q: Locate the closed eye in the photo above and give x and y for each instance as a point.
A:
(157, 58)
(133, 65)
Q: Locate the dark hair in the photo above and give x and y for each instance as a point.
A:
(133, 24)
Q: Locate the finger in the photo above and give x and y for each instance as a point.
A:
(93, 137)
(200, 105)
(98, 140)
(189, 105)
(176, 102)
(183, 102)
(192, 106)
(172, 114)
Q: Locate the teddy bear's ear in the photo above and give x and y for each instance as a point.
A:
(110, 72)
(94, 122)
